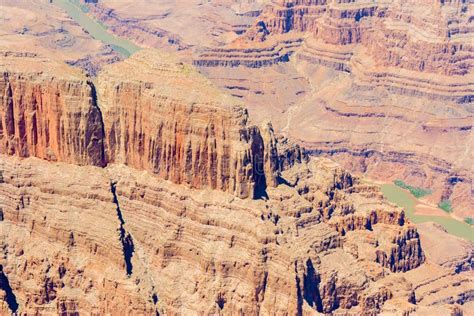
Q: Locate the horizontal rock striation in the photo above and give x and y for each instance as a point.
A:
(434, 35)
(249, 256)
(167, 119)
(155, 120)
(452, 88)
(420, 38)
(253, 57)
(86, 239)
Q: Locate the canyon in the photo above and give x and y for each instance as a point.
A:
(151, 186)
(389, 87)
(232, 164)
(397, 72)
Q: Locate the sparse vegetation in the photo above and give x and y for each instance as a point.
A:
(469, 220)
(415, 191)
(446, 206)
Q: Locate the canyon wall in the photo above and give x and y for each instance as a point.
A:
(165, 118)
(82, 237)
(48, 117)
(426, 36)
(186, 251)
(171, 121)
(400, 72)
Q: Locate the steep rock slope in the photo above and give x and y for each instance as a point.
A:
(47, 116)
(79, 239)
(166, 119)
(195, 251)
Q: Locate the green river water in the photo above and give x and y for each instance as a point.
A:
(404, 199)
(98, 31)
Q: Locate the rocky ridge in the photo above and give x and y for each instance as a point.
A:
(312, 239)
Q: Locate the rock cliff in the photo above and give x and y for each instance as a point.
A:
(165, 118)
(153, 230)
(170, 120)
(45, 116)
(385, 67)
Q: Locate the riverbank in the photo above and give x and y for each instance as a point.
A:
(420, 212)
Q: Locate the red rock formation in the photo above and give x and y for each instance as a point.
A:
(169, 120)
(387, 29)
(84, 239)
(385, 67)
(149, 122)
(46, 116)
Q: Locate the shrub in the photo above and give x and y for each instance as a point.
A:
(415, 191)
(469, 220)
(446, 206)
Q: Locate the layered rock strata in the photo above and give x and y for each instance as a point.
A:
(171, 121)
(400, 35)
(45, 116)
(400, 72)
(239, 255)
(166, 119)
(85, 239)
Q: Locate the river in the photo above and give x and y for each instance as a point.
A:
(95, 29)
(404, 199)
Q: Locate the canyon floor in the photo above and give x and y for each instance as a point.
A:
(232, 157)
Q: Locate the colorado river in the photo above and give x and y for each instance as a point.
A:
(404, 199)
(95, 29)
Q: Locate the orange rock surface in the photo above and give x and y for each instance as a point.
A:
(136, 237)
(46, 116)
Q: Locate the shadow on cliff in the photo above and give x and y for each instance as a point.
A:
(10, 297)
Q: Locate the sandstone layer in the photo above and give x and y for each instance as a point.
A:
(154, 231)
(170, 120)
(188, 251)
(45, 116)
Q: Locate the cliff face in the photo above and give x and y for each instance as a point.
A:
(416, 35)
(177, 250)
(165, 118)
(86, 239)
(169, 120)
(44, 116)
(400, 72)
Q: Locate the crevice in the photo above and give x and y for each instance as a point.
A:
(311, 282)
(9, 295)
(220, 301)
(95, 131)
(258, 168)
(299, 295)
(154, 297)
(125, 237)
